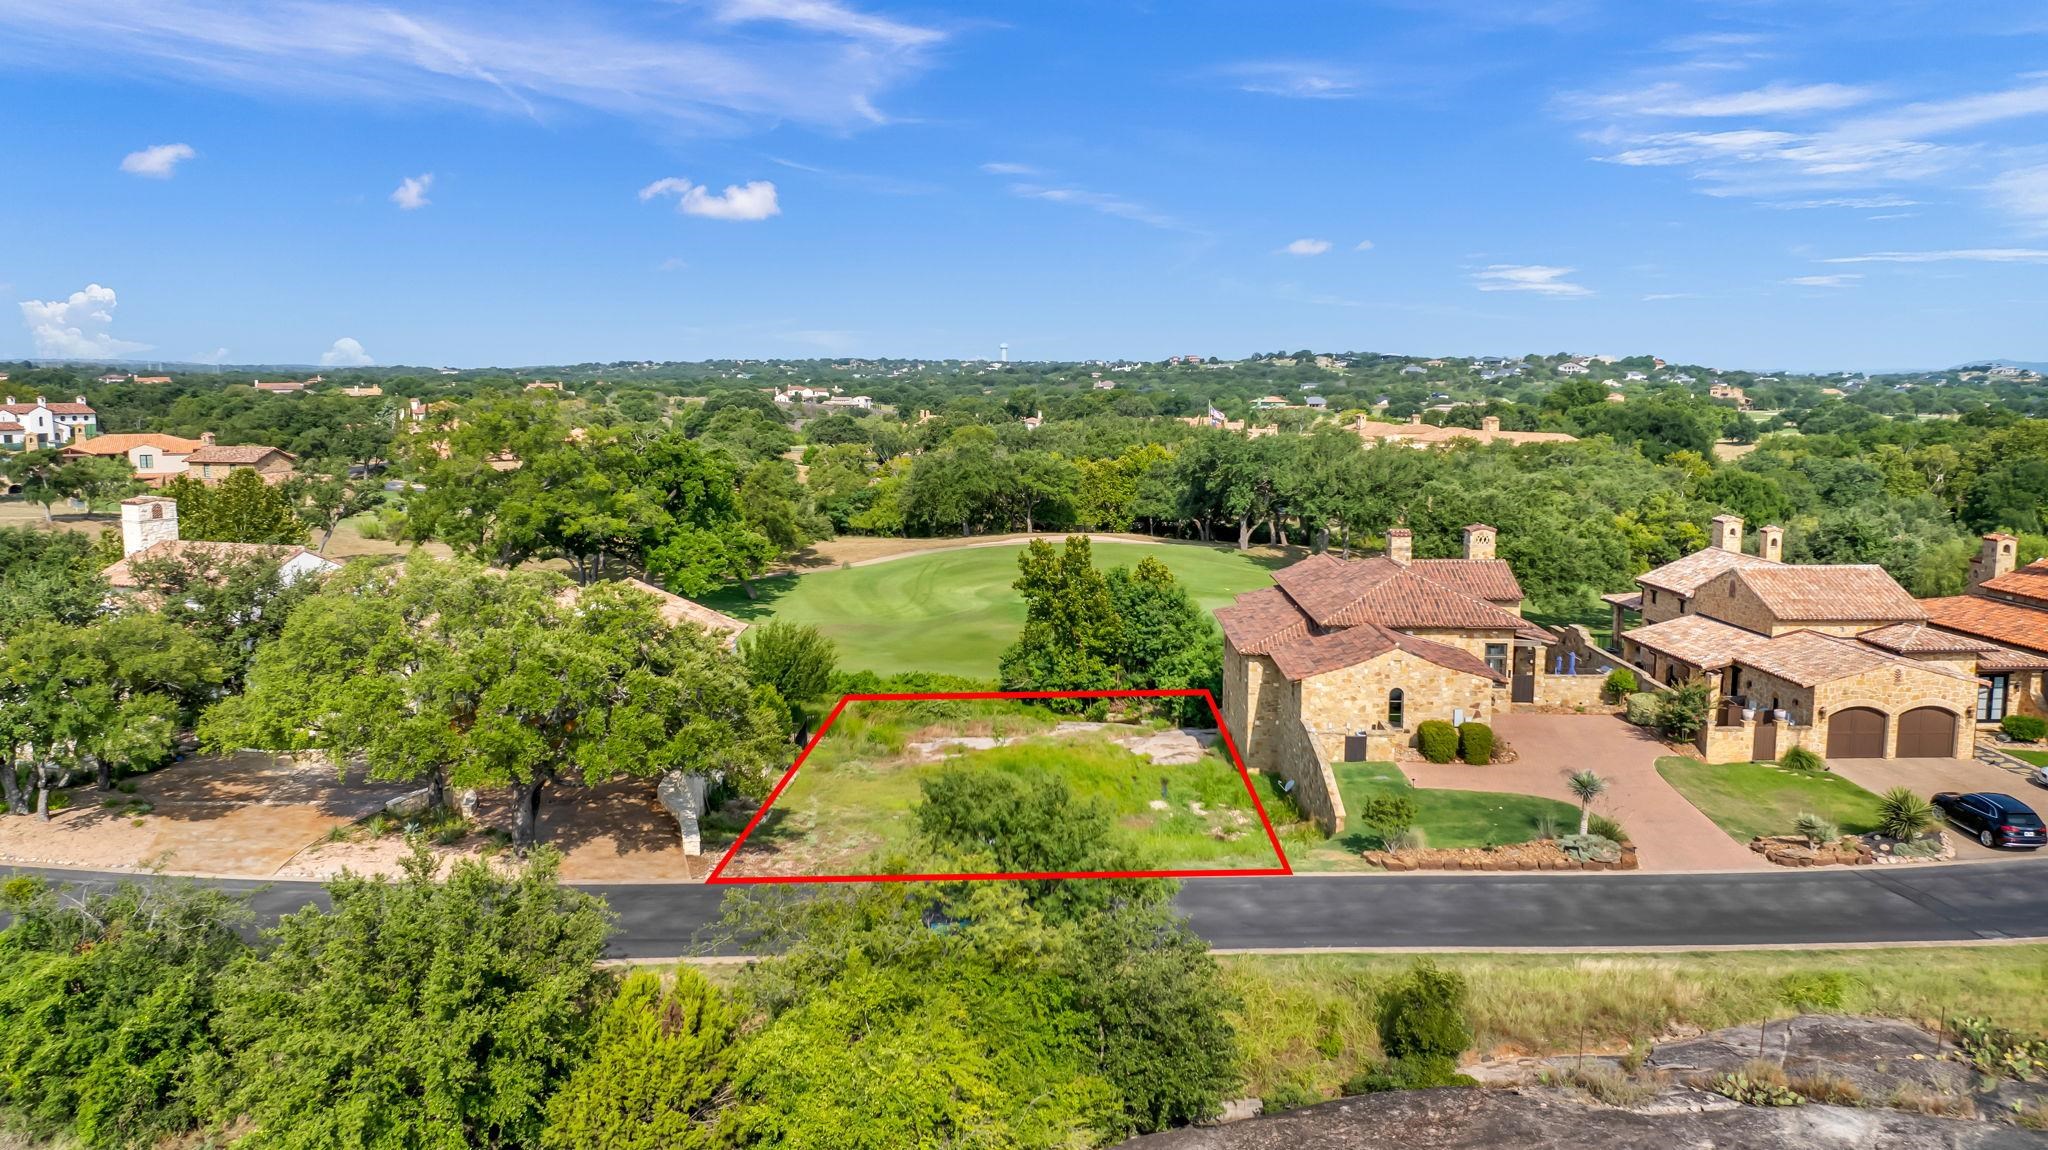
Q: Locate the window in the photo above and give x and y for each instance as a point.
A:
(1991, 698)
(1396, 704)
(1497, 657)
(1653, 595)
(145, 461)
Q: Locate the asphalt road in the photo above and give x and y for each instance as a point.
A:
(1821, 907)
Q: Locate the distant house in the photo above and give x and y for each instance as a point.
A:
(1572, 368)
(149, 379)
(1416, 433)
(1414, 369)
(214, 463)
(860, 401)
(1266, 402)
(46, 424)
(1316, 401)
(149, 531)
(283, 386)
(113, 377)
(369, 392)
(154, 455)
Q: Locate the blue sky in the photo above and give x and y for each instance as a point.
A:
(1740, 182)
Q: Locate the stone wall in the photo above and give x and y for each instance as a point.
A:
(1353, 699)
(1896, 690)
(1254, 703)
(1300, 758)
(1571, 690)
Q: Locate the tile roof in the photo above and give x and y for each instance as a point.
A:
(120, 443)
(55, 408)
(2029, 582)
(1319, 654)
(1626, 600)
(239, 453)
(1842, 592)
(1343, 593)
(1262, 619)
(1688, 574)
(1922, 639)
(2009, 623)
(1489, 579)
(1708, 644)
(1810, 658)
(675, 610)
(121, 575)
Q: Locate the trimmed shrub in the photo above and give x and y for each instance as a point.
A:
(1801, 759)
(1642, 708)
(1606, 828)
(1475, 743)
(2025, 728)
(1388, 816)
(1437, 740)
(1621, 683)
(1903, 814)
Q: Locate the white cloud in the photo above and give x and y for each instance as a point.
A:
(1296, 79)
(1678, 101)
(158, 161)
(1842, 280)
(76, 327)
(1363, 246)
(1979, 255)
(725, 66)
(999, 168)
(1859, 202)
(1654, 297)
(345, 352)
(1528, 277)
(411, 193)
(754, 200)
(216, 356)
(1307, 247)
(1107, 204)
(2023, 194)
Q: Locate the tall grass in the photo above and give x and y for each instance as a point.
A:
(1309, 1018)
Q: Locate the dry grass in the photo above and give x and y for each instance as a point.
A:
(1606, 1084)
(1296, 1007)
(1827, 1089)
(1927, 1100)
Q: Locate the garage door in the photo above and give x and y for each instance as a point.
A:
(1856, 733)
(1927, 733)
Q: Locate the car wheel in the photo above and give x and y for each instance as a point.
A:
(1984, 837)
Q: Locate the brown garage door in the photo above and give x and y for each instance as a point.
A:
(1927, 733)
(1856, 733)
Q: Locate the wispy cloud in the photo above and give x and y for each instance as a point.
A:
(1296, 79)
(1668, 99)
(1859, 202)
(1659, 296)
(1104, 202)
(1363, 246)
(1539, 278)
(158, 162)
(726, 66)
(754, 200)
(1978, 255)
(1307, 247)
(411, 193)
(1003, 168)
(1841, 280)
(2023, 194)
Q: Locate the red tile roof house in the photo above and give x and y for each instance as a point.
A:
(46, 424)
(149, 531)
(213, 463)
(154, 456)
(1342, 659)
(1836, 658)
(2007, 608)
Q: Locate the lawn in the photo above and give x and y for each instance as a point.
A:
(849, 809)
(954, 611)
(2037, 758)
(1446, 818)
(1752, 799)
(1306, 1021)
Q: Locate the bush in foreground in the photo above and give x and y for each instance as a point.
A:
(658, 1071)
(1801, 759)
(1620, 684)
(1422, 1032)
(1437, 740)
(2024, 728)
(1475, 743)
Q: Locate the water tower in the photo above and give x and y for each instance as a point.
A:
(1003, 352)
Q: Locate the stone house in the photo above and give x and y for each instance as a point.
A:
(1836, 658)
(149, 531)
(154, 456)
(214, 463)
(1342, 659)
(2006, 608)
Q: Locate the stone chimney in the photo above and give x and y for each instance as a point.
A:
(1400, 545)
(80, 400)
(206, 439)
(1728, 532)
(1489, 423)
(147, 520)
(1770, 543)
(1416, 419)
(1996, 557)
(1478, 541)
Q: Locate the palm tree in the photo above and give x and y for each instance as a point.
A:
(1587, 786)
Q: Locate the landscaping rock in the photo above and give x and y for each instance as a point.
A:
(1879, 1056)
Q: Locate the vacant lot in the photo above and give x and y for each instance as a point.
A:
(1173, 796)
(1752, 799)
(954, 611)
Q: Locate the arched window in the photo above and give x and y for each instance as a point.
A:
(1394, 707)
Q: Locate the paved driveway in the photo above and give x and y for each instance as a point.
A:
(1670, 833)
(1926, 776)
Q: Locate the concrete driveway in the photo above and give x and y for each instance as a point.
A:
(1670, 834)
(1926, 776)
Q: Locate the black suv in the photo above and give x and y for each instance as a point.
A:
(1997, 820)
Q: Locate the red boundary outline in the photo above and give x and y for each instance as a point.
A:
(1229, 743)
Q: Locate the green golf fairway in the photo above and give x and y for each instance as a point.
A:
(954, 611)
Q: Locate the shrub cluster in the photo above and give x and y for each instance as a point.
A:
(1801, 759)
(2024, 728)
(1422, 1032)
(1902, 814)
(1620, 684)
(1641, 708)
(1437, 740)
(1475, 743)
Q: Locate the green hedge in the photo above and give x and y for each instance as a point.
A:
(1642, 708)
(1437, 740)
(2026, 728)
(1475, 743)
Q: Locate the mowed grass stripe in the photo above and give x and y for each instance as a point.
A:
(954, 611)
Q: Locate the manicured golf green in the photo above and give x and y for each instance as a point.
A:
(1751, 799)
(954, 611)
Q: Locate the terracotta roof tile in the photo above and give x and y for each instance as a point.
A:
(1335, 592)
(239, 453)
(2029, 582)
(1922, 639)
(1690, 573)
(120, 443)
(2008, 623)
(121, 575)
(1830, 593)
(1810, 658)
(1320, 654)
(1708, 644)
(1489, 579)
(1260, 619)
